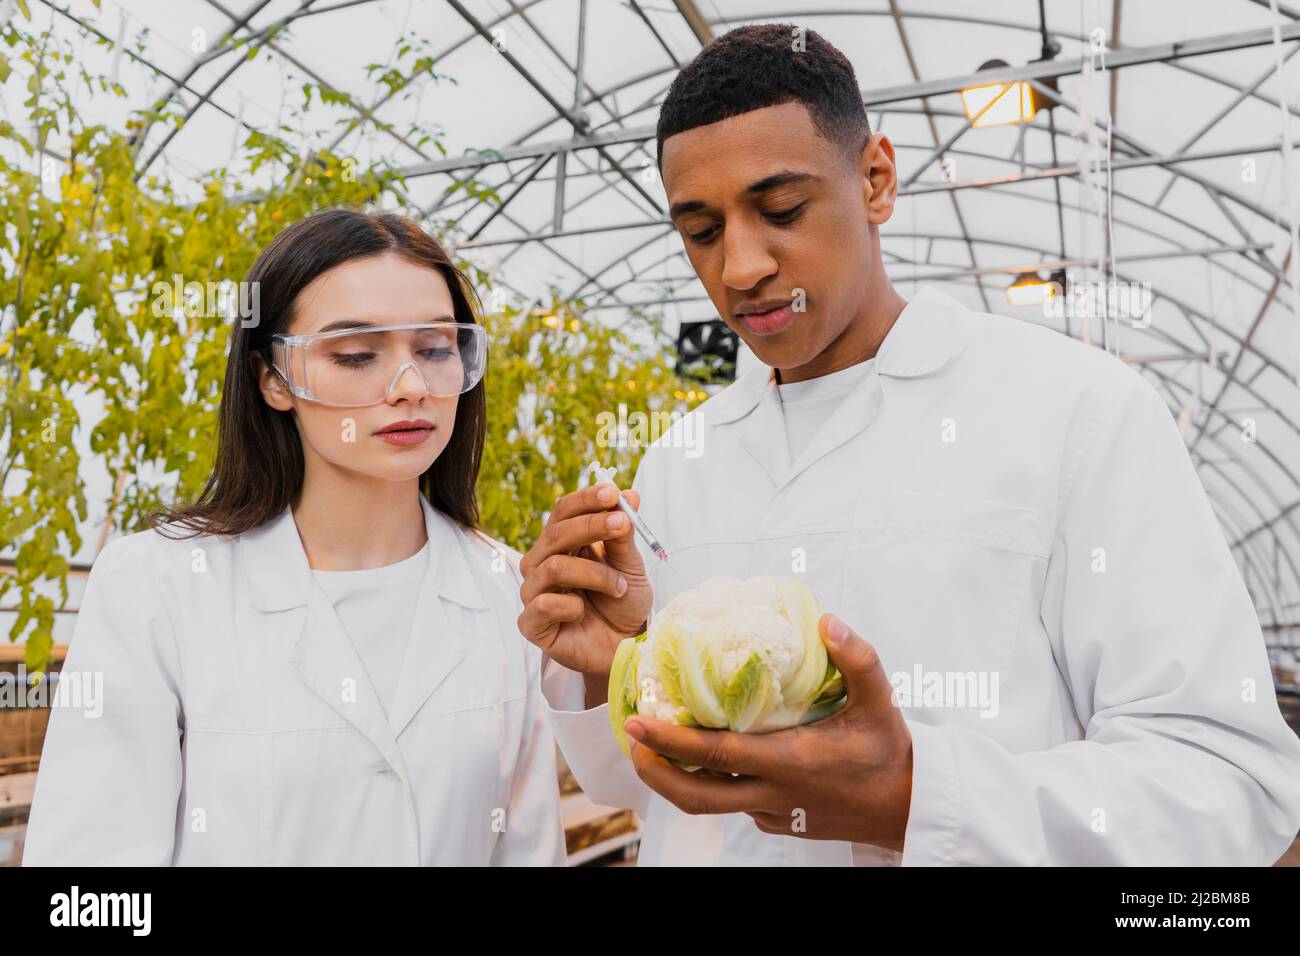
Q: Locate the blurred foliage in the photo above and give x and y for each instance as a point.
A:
(85, 241)
(554, 385)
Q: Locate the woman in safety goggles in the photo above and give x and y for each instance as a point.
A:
(317, 662)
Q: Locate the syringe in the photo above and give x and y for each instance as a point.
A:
(604, 475)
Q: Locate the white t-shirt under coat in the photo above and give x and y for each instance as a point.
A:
(807, 405)
(377, 609)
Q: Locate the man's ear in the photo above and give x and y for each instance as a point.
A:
(274, 391)
(879, 178)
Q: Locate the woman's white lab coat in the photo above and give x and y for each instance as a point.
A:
(1012, 520)
(238, 726)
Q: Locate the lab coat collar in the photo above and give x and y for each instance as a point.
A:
(929, 333)
(325, 657)
(763, 433)
(279, 578)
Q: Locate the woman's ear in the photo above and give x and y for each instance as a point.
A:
(274, 391)
(879, 178)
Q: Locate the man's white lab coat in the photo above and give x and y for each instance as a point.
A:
(1012, 519)
(239, 726)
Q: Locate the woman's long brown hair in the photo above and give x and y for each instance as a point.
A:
(259, 462)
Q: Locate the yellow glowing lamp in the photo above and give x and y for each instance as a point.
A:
(1010, 102)
(1030, 288)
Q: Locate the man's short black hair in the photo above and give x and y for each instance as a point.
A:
(767, 64)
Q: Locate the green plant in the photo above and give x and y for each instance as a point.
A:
(90, 253)
(551, 374)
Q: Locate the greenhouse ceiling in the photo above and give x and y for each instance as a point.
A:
(1160, 165)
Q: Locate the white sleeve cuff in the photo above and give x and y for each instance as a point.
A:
(587, 742)
(933, 821)
(562, 689)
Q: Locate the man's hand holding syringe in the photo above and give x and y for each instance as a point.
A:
(585, 584)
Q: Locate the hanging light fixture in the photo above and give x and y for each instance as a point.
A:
(1030, 288)
(1017, 101)
(1011, 102)
(1014, 102)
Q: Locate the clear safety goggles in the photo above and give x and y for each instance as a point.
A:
(363, 365)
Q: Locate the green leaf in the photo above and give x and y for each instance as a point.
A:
(749, 694)
(623, 690)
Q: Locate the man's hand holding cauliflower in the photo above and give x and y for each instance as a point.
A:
(752, 656)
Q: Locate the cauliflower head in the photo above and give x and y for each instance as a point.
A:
(733, 654)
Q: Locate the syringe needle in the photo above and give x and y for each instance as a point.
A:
(638, 523)
(641, 528)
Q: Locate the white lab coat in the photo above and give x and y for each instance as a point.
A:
(1005, 501)
(226, 737)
